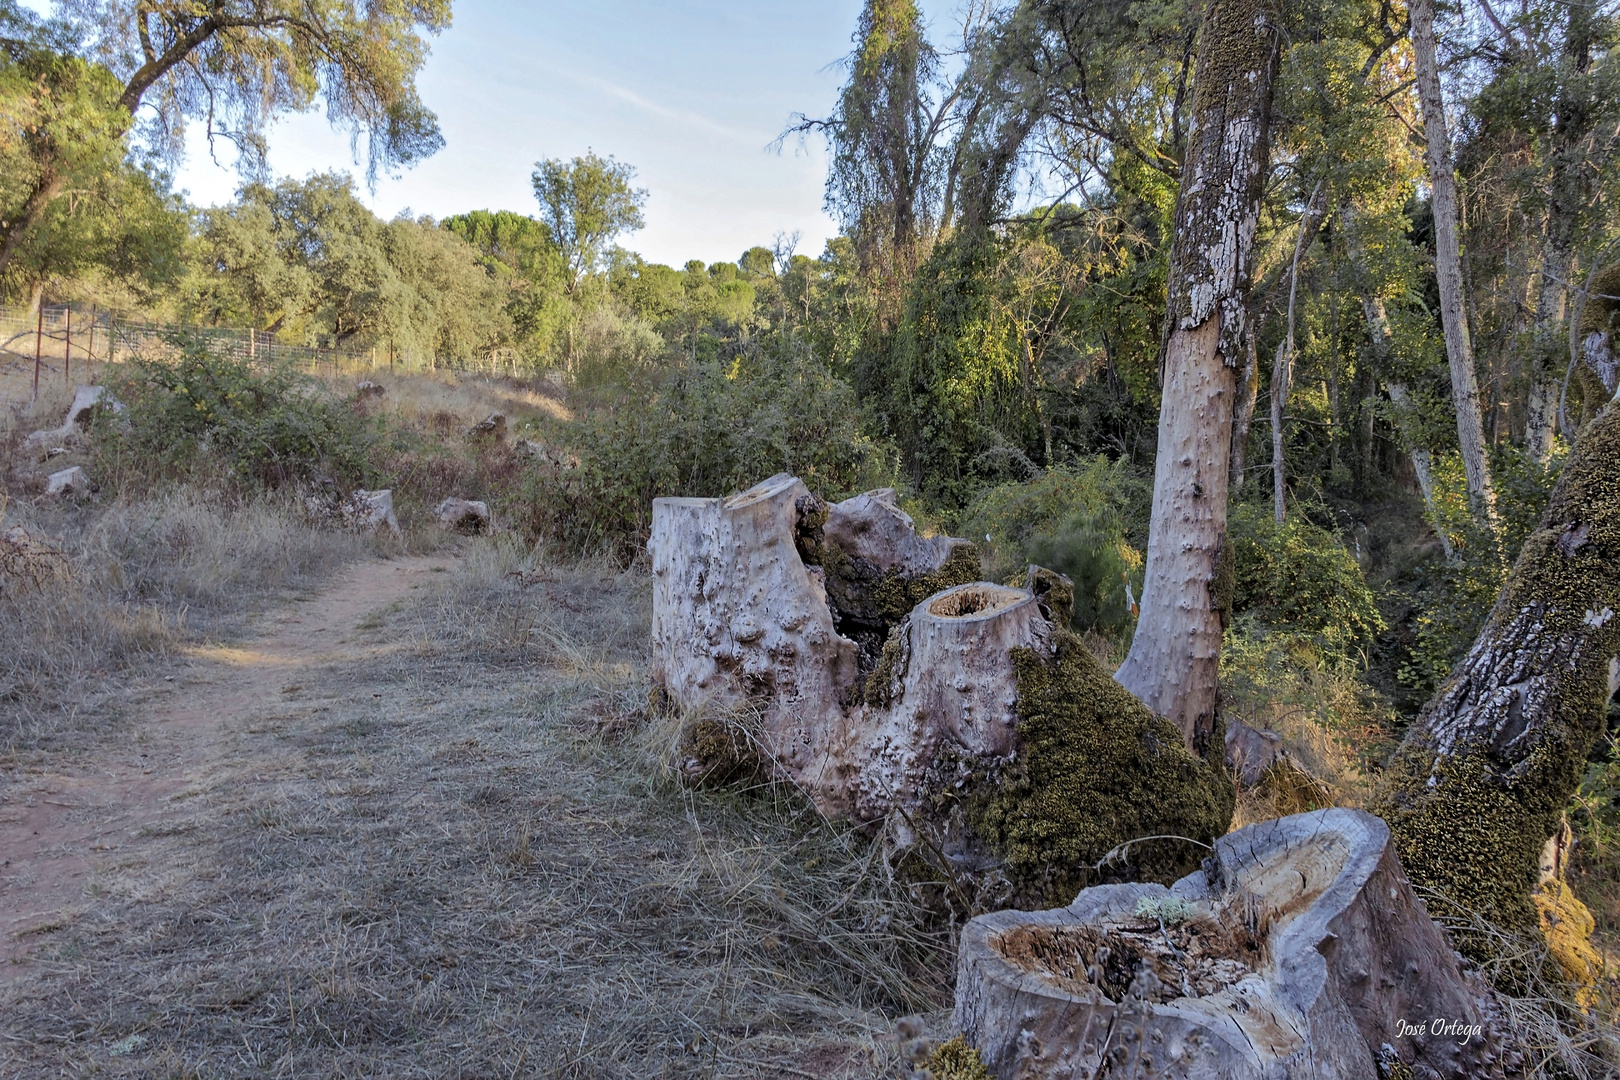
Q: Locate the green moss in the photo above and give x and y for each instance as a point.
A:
(1223, 583)
(1098, 768)
(879, 689)
(1470, 837)
(714, 752)
(1601, 313)
(956, 1060)
(895, 595)
(1476, 833)
(867, 603)
(810, 517)
(1055, 594)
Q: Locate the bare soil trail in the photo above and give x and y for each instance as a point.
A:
(62, 824)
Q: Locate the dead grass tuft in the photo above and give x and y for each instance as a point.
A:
(1557, 1040)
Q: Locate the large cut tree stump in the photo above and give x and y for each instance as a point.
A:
(835, 648)
(741, 620)
(1299, 951)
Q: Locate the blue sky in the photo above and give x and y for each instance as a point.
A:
(690, 93)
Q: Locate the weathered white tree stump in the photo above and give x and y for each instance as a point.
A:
(370, 511)
(1299, 951)
(740, 620)
(74, 481)
(951, 697)
(886, 681)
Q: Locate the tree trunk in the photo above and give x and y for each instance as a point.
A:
(1248, 395)
(1297, 951)
(1422, 461)
(1541, 410)
(49, 186)
(1175, 655)
(1282, 372)
(1482, 778)
(1448, 268)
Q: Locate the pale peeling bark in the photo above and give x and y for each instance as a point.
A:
(742, 621)
(1598, 353)
(1484, 774)
(1172, 666)
(1448, 267)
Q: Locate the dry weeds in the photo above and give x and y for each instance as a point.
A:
(142, 577)
(464, 857)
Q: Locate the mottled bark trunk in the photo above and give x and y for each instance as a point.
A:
(1282, 372)
(1175, 655)
(1248, 396)
(1448, 267)
(1541, 409)
(1482, 778)
(1422, 460)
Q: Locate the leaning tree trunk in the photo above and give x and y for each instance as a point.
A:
(1479, 785)
(1448, 267)
(1172, 666)
(1422, 459)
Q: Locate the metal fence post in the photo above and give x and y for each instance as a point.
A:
(39, 336)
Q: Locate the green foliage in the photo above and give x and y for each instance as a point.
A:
(703, 430)
(1079, 520)
(586, 203)
(60, 121)
(309, 260)
(1297, 579)
(238, 68)
(1456, 596)
(1098, 769)
(199, 412)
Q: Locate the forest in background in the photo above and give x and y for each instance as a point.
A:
(986, 332)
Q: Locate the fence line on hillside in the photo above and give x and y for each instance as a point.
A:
(57, 338)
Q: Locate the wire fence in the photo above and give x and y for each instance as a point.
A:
(57, 340)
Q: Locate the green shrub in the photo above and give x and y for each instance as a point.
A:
(703, 430)
(1297, 579)
(1457, 595)
(262, 426)
(1080, 520)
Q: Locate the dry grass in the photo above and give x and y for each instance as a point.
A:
(1332, 724)
(1556, 1040)
(423, 399)
(464, 857)
(141, 578)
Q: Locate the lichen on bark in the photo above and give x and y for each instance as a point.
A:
(1484, 774)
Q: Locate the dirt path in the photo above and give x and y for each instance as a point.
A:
(59, 825)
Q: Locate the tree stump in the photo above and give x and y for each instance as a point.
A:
(1299, 950)
(892, 686)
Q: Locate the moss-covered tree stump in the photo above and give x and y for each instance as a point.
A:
(894, 688)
